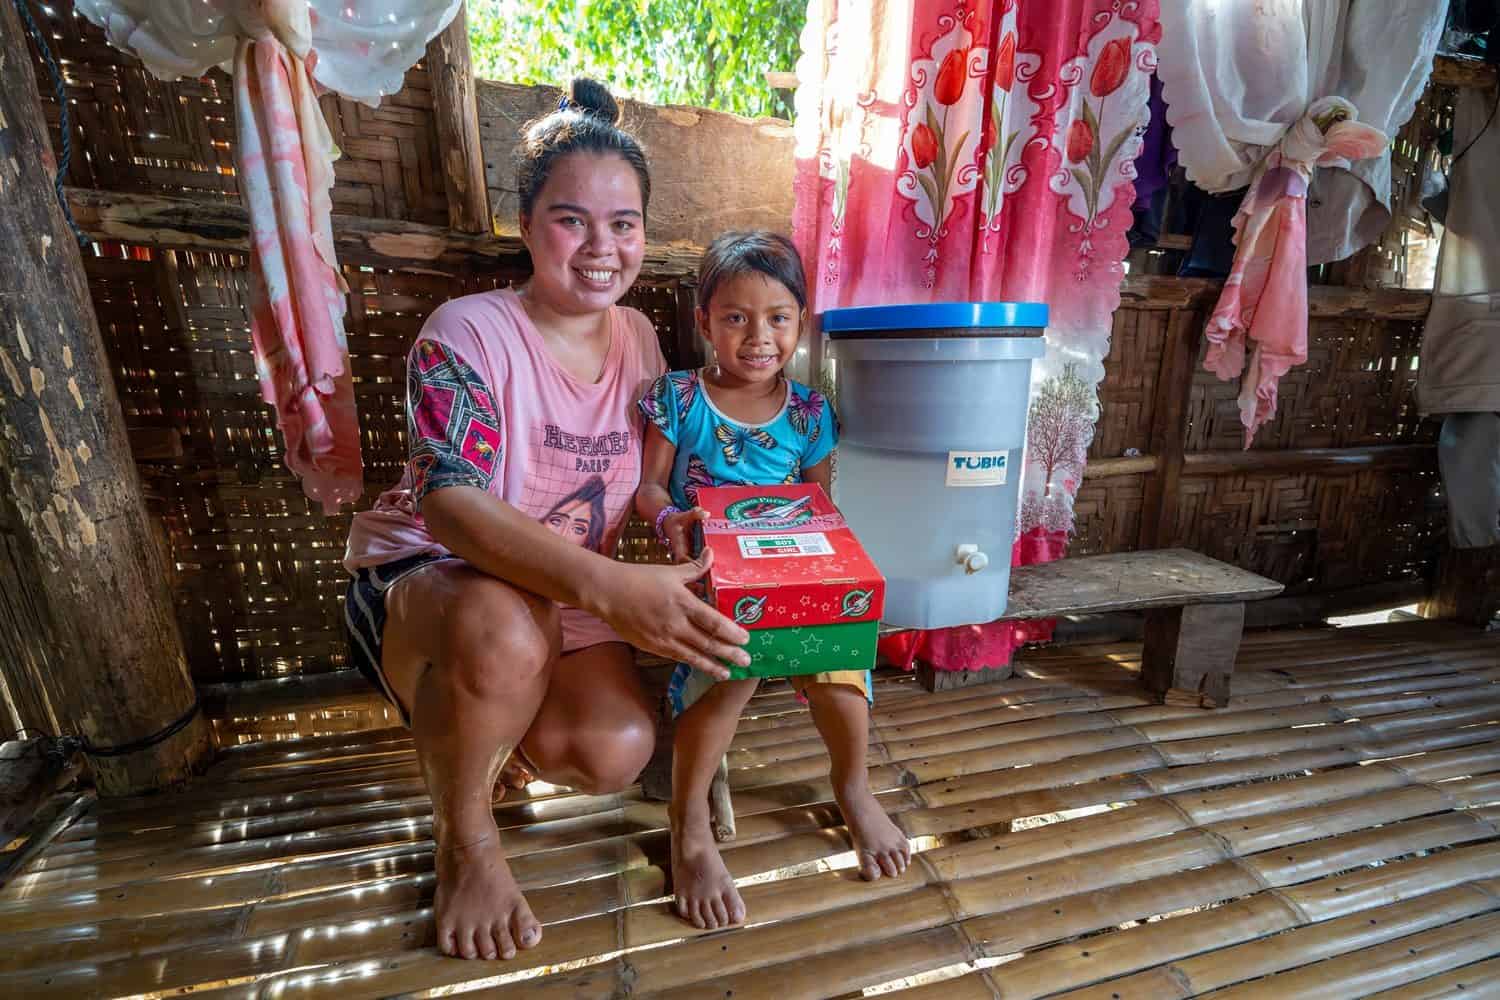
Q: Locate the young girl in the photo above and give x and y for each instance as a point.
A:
(742, 422)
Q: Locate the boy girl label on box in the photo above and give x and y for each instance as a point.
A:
(977, 468)
(787, 567)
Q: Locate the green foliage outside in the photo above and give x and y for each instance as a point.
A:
(708, 53)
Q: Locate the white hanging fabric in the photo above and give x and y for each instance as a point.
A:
(1236, 76)
(364, 47)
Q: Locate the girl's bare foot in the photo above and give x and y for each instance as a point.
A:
(480, 910)
(704, 889)
(880, 845)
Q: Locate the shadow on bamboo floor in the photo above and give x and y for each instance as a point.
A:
(1332, 833)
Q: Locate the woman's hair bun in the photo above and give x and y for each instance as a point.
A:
(593, 98)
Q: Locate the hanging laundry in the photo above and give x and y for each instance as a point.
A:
(1242, 82)
(1264, 301)
(280, 52)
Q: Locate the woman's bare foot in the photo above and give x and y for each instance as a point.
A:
(480, 910)
(704, 889)
(880, 845)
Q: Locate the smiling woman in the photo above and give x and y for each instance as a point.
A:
(484, 604)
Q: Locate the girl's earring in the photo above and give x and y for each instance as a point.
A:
(716, 370)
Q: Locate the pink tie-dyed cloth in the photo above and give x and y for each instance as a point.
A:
(1263, 306)
(285, 157)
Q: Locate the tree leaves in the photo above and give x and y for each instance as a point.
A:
(710, 53)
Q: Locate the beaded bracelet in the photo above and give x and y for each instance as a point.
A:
(666, 512)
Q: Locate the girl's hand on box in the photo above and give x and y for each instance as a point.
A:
(678, 529)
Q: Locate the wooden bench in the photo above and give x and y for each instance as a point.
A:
(1195, 614)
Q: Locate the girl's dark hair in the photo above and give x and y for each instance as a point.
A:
(585, 122)
(757, 252)
(591, 493)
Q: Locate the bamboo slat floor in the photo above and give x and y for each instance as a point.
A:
(1334, 833)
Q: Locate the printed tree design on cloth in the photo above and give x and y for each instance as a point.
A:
(1061, 424)
(1083, 147)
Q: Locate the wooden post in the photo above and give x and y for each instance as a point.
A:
(1169, 427)
(86, 618)
(456, 108)
(1468, 587)
(1188, 654)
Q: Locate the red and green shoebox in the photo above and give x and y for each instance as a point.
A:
(788, 570)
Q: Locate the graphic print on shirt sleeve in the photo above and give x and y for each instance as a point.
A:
(454, 429)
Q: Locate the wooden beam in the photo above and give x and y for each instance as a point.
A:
(456, 109)
(87, 618)
(1165, 292)
(1462, 71)
(202, 224)
(1106, 468)
(288, 695)
(1223, 463)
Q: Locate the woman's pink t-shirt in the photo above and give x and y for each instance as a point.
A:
(487, 406)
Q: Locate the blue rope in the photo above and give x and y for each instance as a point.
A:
(61, 94)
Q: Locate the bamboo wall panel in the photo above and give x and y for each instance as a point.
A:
(258, 574)
(1357, 388)
(1318, 530)
(1127, 395)
(1107, 515)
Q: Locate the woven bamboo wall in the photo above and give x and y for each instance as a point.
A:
(258, 580)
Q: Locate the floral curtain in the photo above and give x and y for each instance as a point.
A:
(981, 150)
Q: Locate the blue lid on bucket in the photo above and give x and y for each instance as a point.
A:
(941, 319)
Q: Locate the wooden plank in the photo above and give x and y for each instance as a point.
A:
(201, 224)
(456, 109)
(1129, 580)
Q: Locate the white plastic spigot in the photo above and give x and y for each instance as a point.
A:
(970, 558)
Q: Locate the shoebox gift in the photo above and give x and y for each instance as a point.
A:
(788, 569)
